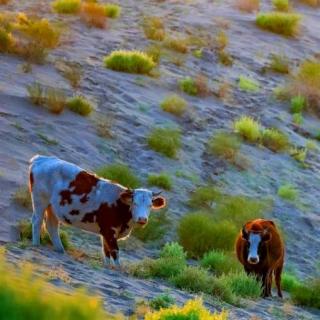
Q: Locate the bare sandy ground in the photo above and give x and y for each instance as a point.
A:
(132, 102)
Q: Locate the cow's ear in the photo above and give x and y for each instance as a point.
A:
(126, 197)
(244, 233)
(158, 203)
(266, 235)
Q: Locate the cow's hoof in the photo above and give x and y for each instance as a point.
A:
(61, 251)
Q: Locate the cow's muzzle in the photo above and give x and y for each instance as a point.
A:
(142, 221)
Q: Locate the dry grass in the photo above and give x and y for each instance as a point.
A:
(248, 5)
(72, 72)
(22, 197)
(94, 15)
(174, 104)
(153, 28)
(177, 44)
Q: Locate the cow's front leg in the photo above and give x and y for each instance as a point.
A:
(111, 249)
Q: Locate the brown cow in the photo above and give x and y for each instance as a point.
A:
(260, 250)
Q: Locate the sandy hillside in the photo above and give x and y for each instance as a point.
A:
(130, 104)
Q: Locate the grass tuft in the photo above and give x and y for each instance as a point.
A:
(66, 6)
(275, 140)
(281, 5)
(176, 44)
(297, 104)
(94, 15)
(174, 104)
(129, 61)
(162, 301)
(80, 105)
(161, 180)
(204, 197)
(307, 294)
(153, 28)
(112, 10)
(288, 192)
(280, 64)
(249, 85)
(248, 128)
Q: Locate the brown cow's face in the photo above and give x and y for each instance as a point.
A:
(255, 240)
(141, 202)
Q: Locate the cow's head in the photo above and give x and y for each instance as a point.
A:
(255, 239)
(141, 202)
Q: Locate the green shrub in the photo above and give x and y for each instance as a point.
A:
(129, 61)
(166, 141)
(80, 105)
(173, 250)
(204, 197)
(248, 128)
(243, 285)
(174, 104)
(248, 85)
(283, 23)
(281, 5)
(224, 145)
(289, 282)
(193, 279)
(161, 180)
(120, 173)
(155, 229)
(280, 64)
(199, 233)
(297, 119)
(188, 85)
(112, 11)
(66, 6)
(220, 262)
(275, 140)
(297, 104)
(25, 232)
(40, 299)
(162, 301)
(307, 294)
(288, 192)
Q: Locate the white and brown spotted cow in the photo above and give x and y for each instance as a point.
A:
(62, 191)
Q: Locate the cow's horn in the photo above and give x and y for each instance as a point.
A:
(155, 194)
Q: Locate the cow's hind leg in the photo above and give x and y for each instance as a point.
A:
(277, 276)
(52, 226)
(106, 252)
(39, 207)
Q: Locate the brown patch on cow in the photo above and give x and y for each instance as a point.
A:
(31, 181)
(74, 212)
(83, 183)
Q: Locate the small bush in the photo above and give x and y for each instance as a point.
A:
(281, 5)
(299, 154)
(297, 104)
(297, 119)
(280, 64)
(154, 28)
(243, 285)
(155, 52)
(55, 100)
(188, 86)
(72, 72)
(220, 262)
(288, 192)
(94, 15)
(80, 105)
(176, 44)
(193, 279)
(66, 6)
(192, 310)
(248, 128)
(112, 11)
(307, 294)
(155, 229)
(22, 197)
(161, 180)
(204, 197)
(129, 61)
(165, 141)
(36, 94)
(224, 145)
(6, 41)
(162, 301)
(275, 140)
(174, 104)
(248, 85)
(25, 232)
(283, 23)
(173, 250)
(199, 233)
(225, 58)
(120, 173)
(248, 5)
(289, 282)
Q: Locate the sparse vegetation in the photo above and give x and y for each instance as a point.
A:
(281, 5)
(176, 44)
(36, 93)
(280, 64)
(248, 5)
(248, 128)
(174, 104)
(275, 140)
(162, 301)
(55, 100)
(289, 282)
(204, 197)
(166, 141)
(112, 10)
(249, 85)
(6, 41)
(307, 294)
(161, 180)
(154, 28)
(196, 86)
(283, 23)
(94, 14)
(129, 61)
(66, 6)
(120, 173)
(22, 197)
(288, 192)
(225, 58)
(297, 104)
(72, 72)
(80, 105)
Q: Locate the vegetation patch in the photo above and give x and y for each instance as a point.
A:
(248, 128)
(22, 197)
(281, 5)
(288, 192)
(307, 294)
(119, 173)
(66, 6)
(154, 29)
(289, 282)
(298, 104)
(176, 44)
(129, 61)
(275, 140)
(162, 301)
(6, 41)
(204, 197)
(283, 23)
(166, 141)
(280, 64)
(162, 180)
(248, 5)
(194, 87)
(94, 14)
(174, 104)
(249, 85)
(112, 10)
(80, 105)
